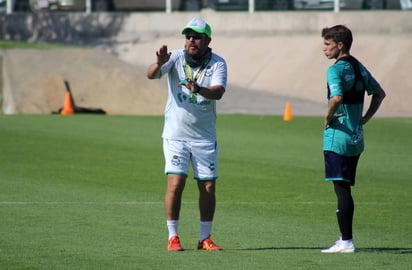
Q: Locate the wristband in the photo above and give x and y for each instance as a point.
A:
(197, 88)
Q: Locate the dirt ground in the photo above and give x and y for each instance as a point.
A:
(264, 73)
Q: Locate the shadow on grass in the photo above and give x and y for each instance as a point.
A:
(358, 250)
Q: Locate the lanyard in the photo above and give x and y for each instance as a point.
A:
(188, 70)
(189, 74)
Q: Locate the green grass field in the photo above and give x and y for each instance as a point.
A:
(86, 192)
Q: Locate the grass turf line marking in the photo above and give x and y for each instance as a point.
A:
(192, 202)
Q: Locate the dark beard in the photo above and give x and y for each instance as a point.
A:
(197, 61)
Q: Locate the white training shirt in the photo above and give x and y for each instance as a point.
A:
(187, 119)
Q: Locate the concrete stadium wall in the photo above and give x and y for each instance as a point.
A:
(81, 28)
(276, 52)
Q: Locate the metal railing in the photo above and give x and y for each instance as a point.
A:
(88, 5)
(404, 5)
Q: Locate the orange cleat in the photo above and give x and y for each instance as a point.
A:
(208, 244)
(174, 244)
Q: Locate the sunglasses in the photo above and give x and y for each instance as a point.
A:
(194, 36)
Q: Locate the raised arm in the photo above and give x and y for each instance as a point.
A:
(162, 56)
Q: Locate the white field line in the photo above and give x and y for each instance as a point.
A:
(78, 203)
(3, 203)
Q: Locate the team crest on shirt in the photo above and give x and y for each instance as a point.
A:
(175, 160)
(208, 72)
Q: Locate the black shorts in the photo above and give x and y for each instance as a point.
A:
(340, 168)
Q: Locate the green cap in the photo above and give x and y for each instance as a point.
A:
(199, 26)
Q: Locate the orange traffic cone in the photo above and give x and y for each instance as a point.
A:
(287, 116)
(68, 105)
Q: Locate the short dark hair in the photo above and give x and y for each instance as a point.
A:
(339, 33)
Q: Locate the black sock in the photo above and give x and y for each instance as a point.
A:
(345, 208)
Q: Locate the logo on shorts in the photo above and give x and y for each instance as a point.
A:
(212, 166)
(175, 160)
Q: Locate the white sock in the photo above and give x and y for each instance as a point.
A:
(205, 229)
(347, 241)
(172, 226)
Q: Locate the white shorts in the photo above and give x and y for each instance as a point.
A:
(202, 155)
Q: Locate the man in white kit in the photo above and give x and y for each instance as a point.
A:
(197, 77)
